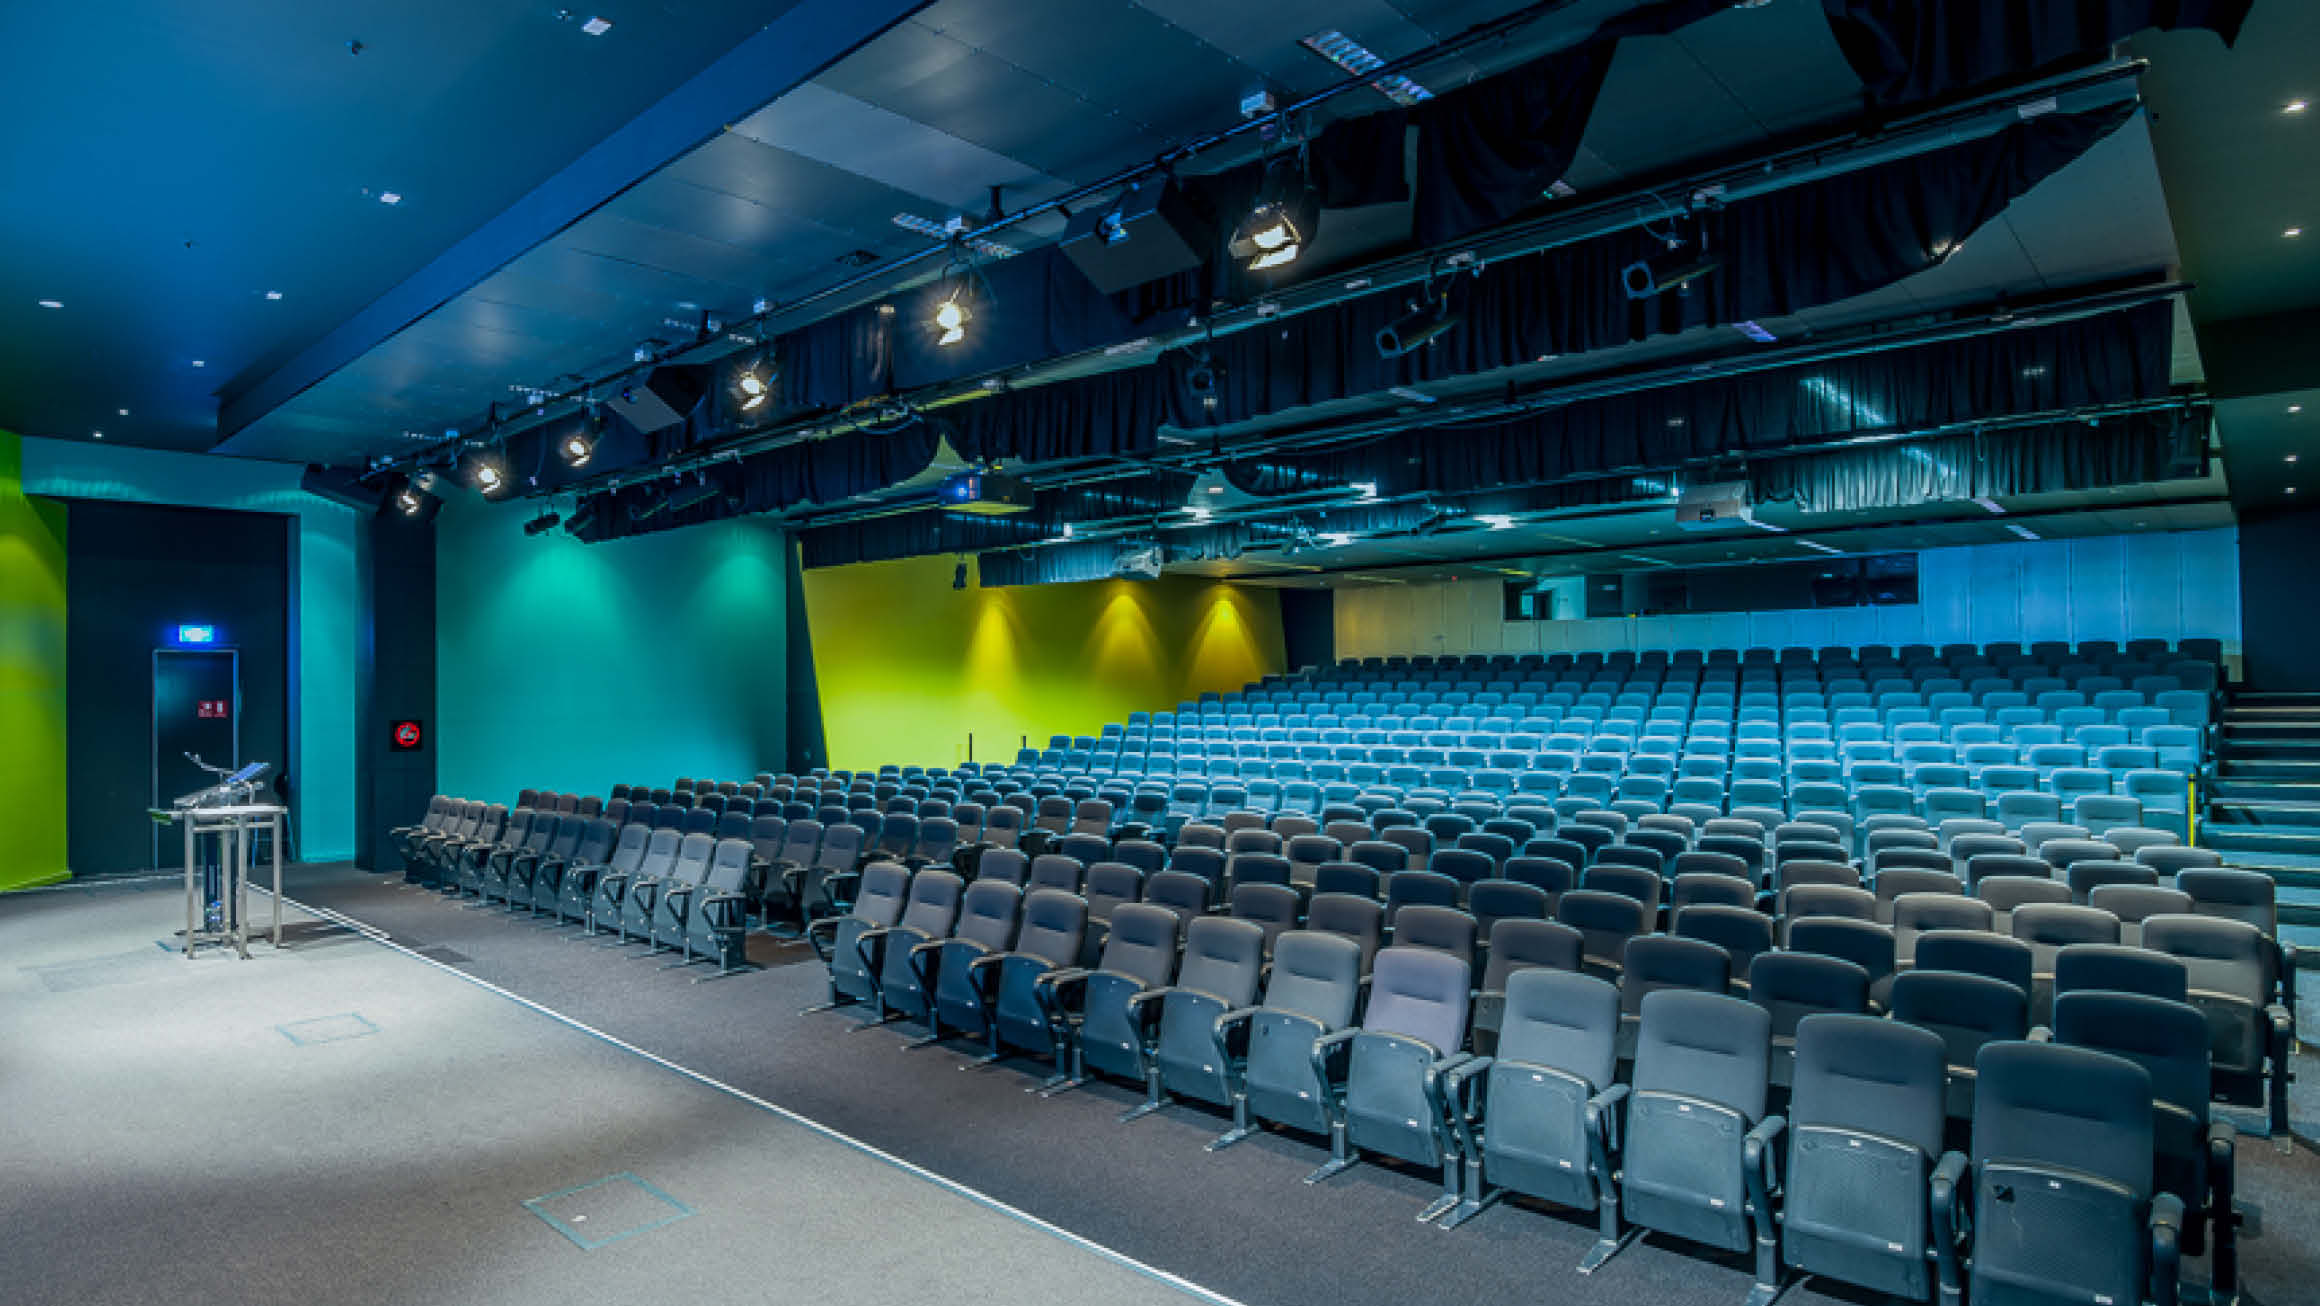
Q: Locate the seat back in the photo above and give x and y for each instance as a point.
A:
(1360, 919)
(1657, 962)
(1316, 974)
(932, 906)
(1561, 1021)
(1141, 945)
(880, 898)
(1792, 985)
(1224, 959)
(1964, 1011)
(1419, 993)
(1053, 922)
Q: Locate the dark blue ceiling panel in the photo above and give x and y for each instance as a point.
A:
(796, 44)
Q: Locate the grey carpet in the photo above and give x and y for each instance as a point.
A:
(338, 1122)
(1238, 1221)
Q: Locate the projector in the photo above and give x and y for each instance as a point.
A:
(1140, 562)
(984, 493)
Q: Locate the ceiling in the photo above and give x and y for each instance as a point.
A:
(255, 147)
(175, 160)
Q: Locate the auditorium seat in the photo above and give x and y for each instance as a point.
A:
(886, 952)
(1201, 1040)
(1389, 1097)
(2063, 1207)
(1865, 1126)
(1698, 1161)
(1105, 1016)
(1540, 1116)
(954, 969)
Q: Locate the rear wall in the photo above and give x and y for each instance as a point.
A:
(2164, 585)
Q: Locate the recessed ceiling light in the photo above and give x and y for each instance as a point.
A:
(2293, 232)
(2291, 489)
(52, 303)
(198, 363)
(124, 412)
(2291, 458)
(2295, 408)
(2293, 106)
(273, 294)
(390, 197)
(596, 26)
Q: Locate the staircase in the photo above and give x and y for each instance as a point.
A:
(2263, 805)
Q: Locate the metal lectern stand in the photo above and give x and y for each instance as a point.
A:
(227, 893)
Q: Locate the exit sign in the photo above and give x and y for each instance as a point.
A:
(197, 634)
(214, 709)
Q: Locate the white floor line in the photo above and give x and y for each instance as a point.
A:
(975, 1195)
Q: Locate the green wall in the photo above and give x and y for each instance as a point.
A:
(909, 667)
(324, 624)
(571, 666)
(32, 677)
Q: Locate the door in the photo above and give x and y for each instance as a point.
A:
(197, 708)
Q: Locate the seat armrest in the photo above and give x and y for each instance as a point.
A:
(1144, 1004)
(815, 935)
(1943, 1190)
(1602, 1119)
(1056, 988)
(2040, 1034)
(1760, 1159)
(1462, 1094)
(1326, 1046)
(2166, 1248)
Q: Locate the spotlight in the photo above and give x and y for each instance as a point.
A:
(407, 499)
(577, 446)
(1336, 539)
(1424, 324)
(952, 318)
(1283, 222)
(959, 577)
(487, 472)
(750, 385)
(542, 524)
(1496, 521)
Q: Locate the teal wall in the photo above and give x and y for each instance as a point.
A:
(571, 666)
(324, 625)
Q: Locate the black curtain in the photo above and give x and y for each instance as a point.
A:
(1910, 50)
(2131, 449)
(2111, 358)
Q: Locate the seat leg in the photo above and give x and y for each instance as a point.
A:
(1766, 1291)
(1153, 1100)
(1477, 1196)
(1341, 1156)
(1610, 1239)
(1241, 1126)
(1448, 1201)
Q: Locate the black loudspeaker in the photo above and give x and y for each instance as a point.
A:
(667, 394)
(341, 487)
(1144, 235)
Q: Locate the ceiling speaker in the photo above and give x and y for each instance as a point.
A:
(1144, 235)
(666, 395)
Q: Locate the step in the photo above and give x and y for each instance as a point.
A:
(2264, 789)
(2290, 770)
(2289, 813)
(2275, 697)
(2271, 750)
(2283, 847)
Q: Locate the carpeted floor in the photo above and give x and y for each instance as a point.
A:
(340, 1122)
(1239, 1221)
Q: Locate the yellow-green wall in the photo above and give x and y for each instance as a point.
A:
(907, 666)
(32, 671)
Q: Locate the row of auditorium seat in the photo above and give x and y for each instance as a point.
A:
(1169, 1000)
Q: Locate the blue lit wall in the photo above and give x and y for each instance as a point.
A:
(326, 603)
(571, 666)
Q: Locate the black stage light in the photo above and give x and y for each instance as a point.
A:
(487, 471)
(1674, 268)
(542, 524)
(959, 577)
(1421, 326)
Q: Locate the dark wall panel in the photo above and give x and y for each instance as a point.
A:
(136, 571)
(394, 682)
(2280, 600)
(1308, 627)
